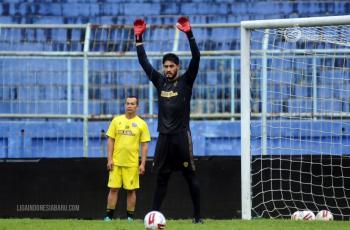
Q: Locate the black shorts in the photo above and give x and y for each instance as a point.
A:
(174, 152)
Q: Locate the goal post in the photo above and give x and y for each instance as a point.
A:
(295, 116)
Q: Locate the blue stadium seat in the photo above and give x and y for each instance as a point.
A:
(77, 93)
(198, 19)
(55, 107)
(346, 106)
(342, 91)
(3, 147)
(329, 105)
(105, 19)
(220, 138)
(6, 20)
(5, 93)
(143, 109)
(300, 105)
(26, 93)
(77, 107)
(155, 107)
(126, 79)
(151, 8)
(280, 91)
(51, 9)
(222, 146)
(324, 92)
(211, 77)
(275, 106)
(46, 142)
(107, 94)
(114, 107)
(5, 107)
(302, 91)
(95, 107)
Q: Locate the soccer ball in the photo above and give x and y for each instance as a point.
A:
(154, 220)
(308, 215)
(303, 215)
(324, 215)
(297, 215)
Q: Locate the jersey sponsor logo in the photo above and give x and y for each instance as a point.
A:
(126, 132)
(168, 94)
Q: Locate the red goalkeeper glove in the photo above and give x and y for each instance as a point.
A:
(183, 24)
(139, 28)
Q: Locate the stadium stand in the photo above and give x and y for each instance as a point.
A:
(212, 90)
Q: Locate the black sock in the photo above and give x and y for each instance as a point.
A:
(130, 214)
(110, 213)
(195, 193)
(160, 191)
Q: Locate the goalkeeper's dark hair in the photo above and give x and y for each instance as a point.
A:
(171, 57)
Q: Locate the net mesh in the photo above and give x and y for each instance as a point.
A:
(300, 127)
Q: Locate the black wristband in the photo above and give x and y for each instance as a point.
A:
(189, 34)
(139, 39)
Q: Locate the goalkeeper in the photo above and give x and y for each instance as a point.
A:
(174, 144)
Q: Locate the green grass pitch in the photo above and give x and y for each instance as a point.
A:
(261, 224)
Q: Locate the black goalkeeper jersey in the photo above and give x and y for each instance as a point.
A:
(173, 96)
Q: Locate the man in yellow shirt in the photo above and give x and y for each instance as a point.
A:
(125, 135)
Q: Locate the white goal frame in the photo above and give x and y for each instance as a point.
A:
(246, 27)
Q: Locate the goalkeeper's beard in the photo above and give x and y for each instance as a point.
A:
(171, 76)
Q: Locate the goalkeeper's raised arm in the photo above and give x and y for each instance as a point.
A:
(139, 29)
(183, 24)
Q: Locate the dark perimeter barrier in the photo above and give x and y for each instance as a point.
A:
(77, 188)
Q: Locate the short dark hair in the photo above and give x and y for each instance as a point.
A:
(133, 96)
(171, 57)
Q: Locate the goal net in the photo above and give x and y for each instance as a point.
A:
(295, 103)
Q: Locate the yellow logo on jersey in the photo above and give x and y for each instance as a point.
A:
(168, 94)
(126, 132)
